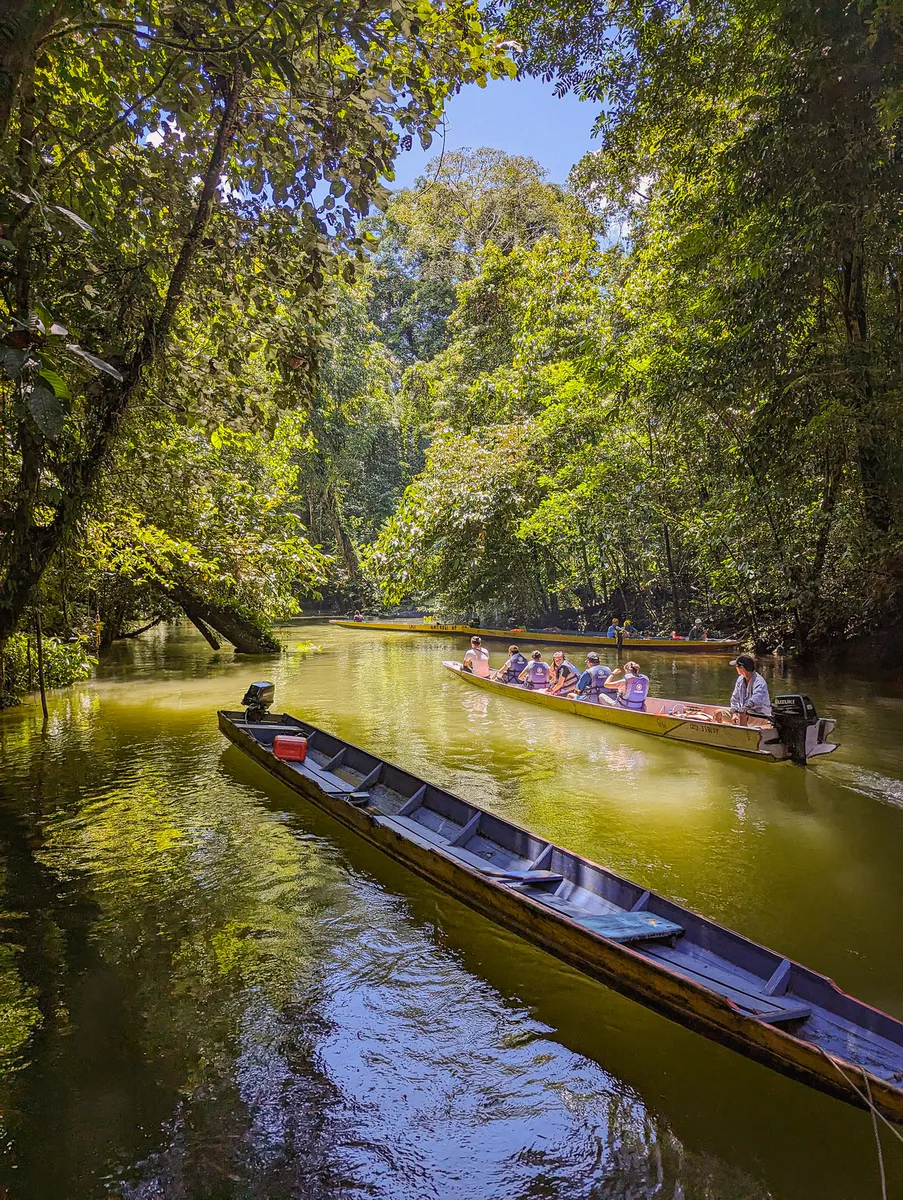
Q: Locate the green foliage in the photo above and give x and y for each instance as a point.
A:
(433, 237)
(65, 662)
(717, 398)
(177, 181)
(454, 538)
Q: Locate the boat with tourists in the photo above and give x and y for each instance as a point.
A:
(562, 637)
(658, 952)
(795, 732)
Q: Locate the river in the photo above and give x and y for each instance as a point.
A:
(208, 989)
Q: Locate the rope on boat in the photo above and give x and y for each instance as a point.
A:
(872, 1110)
(866, 1098)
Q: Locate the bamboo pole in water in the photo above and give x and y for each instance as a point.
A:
(37, 629)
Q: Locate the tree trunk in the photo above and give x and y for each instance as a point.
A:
(675, 594)
(202, 629)
(245, 636)
(144, 628)
(343, 541)
(30, 549)
(876, 477)
(22, 25)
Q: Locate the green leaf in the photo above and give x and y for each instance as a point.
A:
(46, 410)
(59, 385)
(74, 218)
(99, 363)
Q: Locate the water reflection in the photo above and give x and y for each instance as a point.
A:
(214, 991)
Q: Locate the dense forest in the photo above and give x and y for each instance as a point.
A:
(241, 373)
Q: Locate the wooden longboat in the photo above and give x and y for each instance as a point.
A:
(658, 953)
(590, 640)
(675, 720)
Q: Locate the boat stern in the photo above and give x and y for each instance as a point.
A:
(798, 732)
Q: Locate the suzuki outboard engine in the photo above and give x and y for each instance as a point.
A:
(794, 717)
(257, 700)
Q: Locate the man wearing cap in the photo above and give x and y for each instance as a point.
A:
(750, 696)
(477, 658)
(592, 681)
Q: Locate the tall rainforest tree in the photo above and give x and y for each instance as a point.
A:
(751, 157)
(432, 238)
(144, 145)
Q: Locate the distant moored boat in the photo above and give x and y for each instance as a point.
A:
(564, 637)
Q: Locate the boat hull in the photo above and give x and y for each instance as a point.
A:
(618, 966)
(741, 740)
(665, 645)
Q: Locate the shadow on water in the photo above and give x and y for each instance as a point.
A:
(209, 989)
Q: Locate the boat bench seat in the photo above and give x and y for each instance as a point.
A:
(624, 927)
(425, 836)
(324, 779)
(753, 1002)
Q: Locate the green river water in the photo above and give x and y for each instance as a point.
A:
(208, 989)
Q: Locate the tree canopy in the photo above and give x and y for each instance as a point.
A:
(240, 372)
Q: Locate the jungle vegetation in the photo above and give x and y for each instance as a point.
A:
(239, 373)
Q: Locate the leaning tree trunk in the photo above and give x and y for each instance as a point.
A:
(29, 548)
(245, 636)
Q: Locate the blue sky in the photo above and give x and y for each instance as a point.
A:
(520, 116)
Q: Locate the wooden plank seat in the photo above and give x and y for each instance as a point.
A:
(424, 836)
(270, 727)
(323, 779)
(748, 998)
(622, 927)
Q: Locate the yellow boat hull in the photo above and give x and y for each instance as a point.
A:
(566, 639)
(752, 740)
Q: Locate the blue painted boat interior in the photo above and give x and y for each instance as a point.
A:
(761, 983)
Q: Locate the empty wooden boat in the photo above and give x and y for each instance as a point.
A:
(797, 733)
(564, 638)
(657, 952)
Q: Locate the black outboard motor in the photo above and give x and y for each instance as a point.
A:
(257, 699)
(793, 717)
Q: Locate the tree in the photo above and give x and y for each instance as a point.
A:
(433, 236)
(252, 107)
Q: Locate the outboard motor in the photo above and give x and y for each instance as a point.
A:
(793, 717)
(257, 700)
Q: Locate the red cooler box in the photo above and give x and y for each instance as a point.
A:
(292, 749)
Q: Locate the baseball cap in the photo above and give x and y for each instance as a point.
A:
(592, 656)
(746, 661)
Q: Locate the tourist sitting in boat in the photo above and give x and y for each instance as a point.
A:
(358, 616)
(563, 675)
(750, 696)
(628, 629)
(476, 659)
(535, 674)
(614, 628)
(629, 692)
(591, 683)
(513, 666)
(697, 631)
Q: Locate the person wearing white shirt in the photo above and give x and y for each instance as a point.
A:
(477, 659)
(750, 696)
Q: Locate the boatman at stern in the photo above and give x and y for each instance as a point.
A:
(477, 658)
(750, 696)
